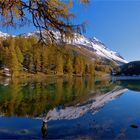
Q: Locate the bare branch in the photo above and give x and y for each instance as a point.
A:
(46, 15)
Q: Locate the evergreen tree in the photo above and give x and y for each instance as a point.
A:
(44, 58)
(59, 64)
(78, 65)
(91, 69)
(87, 71)
(12, 62)
(69, 66)
(19, 54)
(37, 58)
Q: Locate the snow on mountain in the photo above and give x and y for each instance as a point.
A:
(92, 106)
(98, 47)
(93, 45)
(4, 34)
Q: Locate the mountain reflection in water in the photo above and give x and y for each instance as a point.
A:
(36, 98)
(42, 108)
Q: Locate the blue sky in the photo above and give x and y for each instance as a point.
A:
(114, 22)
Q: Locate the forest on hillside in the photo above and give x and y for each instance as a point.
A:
(129, 69)
(21, 54)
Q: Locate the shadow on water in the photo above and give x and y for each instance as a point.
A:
(44, 129)
(133, 85)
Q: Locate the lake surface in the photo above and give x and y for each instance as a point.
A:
(71, 108)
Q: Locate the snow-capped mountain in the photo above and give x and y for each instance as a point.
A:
(92, 105)
(4, 35)
(98, 47)
(93, 45)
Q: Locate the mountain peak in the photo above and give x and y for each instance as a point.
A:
(93, 45)
(2, 34)
(94, 38)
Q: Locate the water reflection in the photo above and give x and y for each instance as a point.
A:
(91, 105)
(36, 98)
(44, 129)
(130, 84)
(54, 100)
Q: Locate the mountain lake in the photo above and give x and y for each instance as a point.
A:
(74, 108)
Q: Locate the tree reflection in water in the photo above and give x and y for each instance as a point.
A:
(130, 84)
(36, 98)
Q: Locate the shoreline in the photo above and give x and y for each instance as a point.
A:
(116, 78)
(41, 76)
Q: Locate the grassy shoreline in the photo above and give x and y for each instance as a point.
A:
(42, 76)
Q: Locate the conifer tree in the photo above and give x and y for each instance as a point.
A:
(69, 66)
(12, 62)
(92, 69)
(45, 14)
(44, 58)
(78, 65)
(37, 58)
(19, 54)
(87, 69)
(5, 57)
(59, 64)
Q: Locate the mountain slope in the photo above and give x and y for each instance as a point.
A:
(129, 69)
(93, 45)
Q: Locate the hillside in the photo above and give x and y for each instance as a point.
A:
(79, 56)
(129, 69)
(94, 46)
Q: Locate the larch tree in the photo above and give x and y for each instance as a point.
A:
(77, 67)
(44, 58)
(12, 61)
(37, 58)
(92, 69)
(69, 65)
(19, 54)
(44, 14)
(59, 64)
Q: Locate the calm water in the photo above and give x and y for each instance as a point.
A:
(69, 108)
